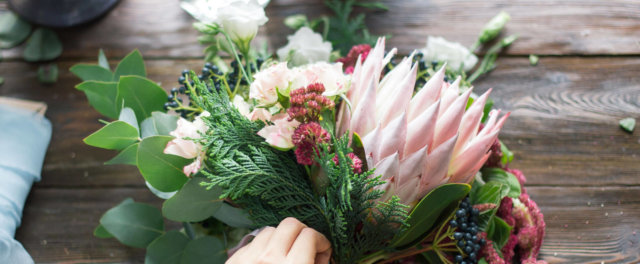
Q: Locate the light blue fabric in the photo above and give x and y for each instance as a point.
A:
(24, 137)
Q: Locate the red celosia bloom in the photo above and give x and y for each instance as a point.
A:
(306, 139)
(308, 102)
(488, 252)
(349, 61)
(356, 163)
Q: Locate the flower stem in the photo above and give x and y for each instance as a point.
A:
(237, 57)
(189, 230)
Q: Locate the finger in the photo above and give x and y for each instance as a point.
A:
(261, 241)
(310, 247)
(284, 236)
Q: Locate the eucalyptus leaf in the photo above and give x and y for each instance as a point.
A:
(500, 175)
(159, 124)
(628, 124)
(193, 203)
(498, 231)
(127, 156)
(102, 60)
(43, 45)
(132, 64)
(507, 155)
(91, 72)
(48, 74)
(116, 135)
(142, 95)
(205, 250)
(426, 213)
(101, 232)
(127, 115)
(102, 96)
(13, 30)
(134, 224)
(167, 249)
(162, 171)
(234, 217)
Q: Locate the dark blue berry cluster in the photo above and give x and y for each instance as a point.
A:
(466, 231)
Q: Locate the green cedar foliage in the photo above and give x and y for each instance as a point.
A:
(271, 186)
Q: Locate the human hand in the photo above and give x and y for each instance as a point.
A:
(292, 242)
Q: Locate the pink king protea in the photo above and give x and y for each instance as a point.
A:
(415, 142)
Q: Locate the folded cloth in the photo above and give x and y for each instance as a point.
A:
(24, 136)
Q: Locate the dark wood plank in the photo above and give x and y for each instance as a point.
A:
(162, 29)
(564, 123)
(584, 224)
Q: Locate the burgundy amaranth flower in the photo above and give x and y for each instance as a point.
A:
(307, 103)
(349, 61)
(508, 251)
(504, 212)
(495, 158)
(356, 163)
(531, 235)
(489, 252)
(306, 139)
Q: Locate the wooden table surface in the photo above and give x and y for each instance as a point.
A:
(583, 170)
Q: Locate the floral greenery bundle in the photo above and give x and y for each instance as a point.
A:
(394, 162)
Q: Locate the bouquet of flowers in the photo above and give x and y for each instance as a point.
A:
(393, 160)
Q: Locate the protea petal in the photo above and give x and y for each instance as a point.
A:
(449, 95)
(363, 118)
(420, 131)
(436, 166)
(470, 122)
(427, 96)
(371, 146)
(396, 96)
(394, 136)
(449, 122)
(473, 152)
(388, 167)
(411, 166)
(467, 172)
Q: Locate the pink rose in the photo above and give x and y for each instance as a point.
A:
(184, 144)
(268, 82)
(279, 134)
(330, 75)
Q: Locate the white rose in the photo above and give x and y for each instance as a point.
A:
(305, 46)
(207, 11)
(329, 75)
(268, 82)
(241, 20)
(453, 53)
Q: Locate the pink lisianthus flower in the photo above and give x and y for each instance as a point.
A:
(259, 114)
(279, 134)
(327, 74)
(184, 144)
(268, 82)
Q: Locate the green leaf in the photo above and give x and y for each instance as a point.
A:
(162, 171)
(102, 61)
(234, 217)
(127, 115)
(482, 261)
(431, 257)
(43, 45)
(507, 155)
(132, 64)
(498, 231)
(159, 124)
(491, 193)
(533, 59)
(426, 213)
(116, 135)
(13, 30)
(134, 224)
(91, 72)
(101, 232)
(628, 124)
(102, 96)
(142, 95)
(372, 5)
(205, 250)
(193, 203)
(500, 175)
(167, 249)
(127, 156)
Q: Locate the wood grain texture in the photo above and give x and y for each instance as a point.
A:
(564, 123)
(160, 29)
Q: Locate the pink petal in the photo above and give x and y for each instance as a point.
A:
(344, 119)
(363, 119)
(436, 165)
(420, 131)
(396, 102)
(470, 122)
(465, 176)
(388, 167)
(428, 95)
(371, 144)
(411, 166)
(449, 95)
(449, 122)
(463, 162)
(394, 137)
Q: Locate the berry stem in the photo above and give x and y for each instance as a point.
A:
(235, 54)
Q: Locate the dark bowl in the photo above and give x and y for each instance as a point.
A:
(61, 13)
